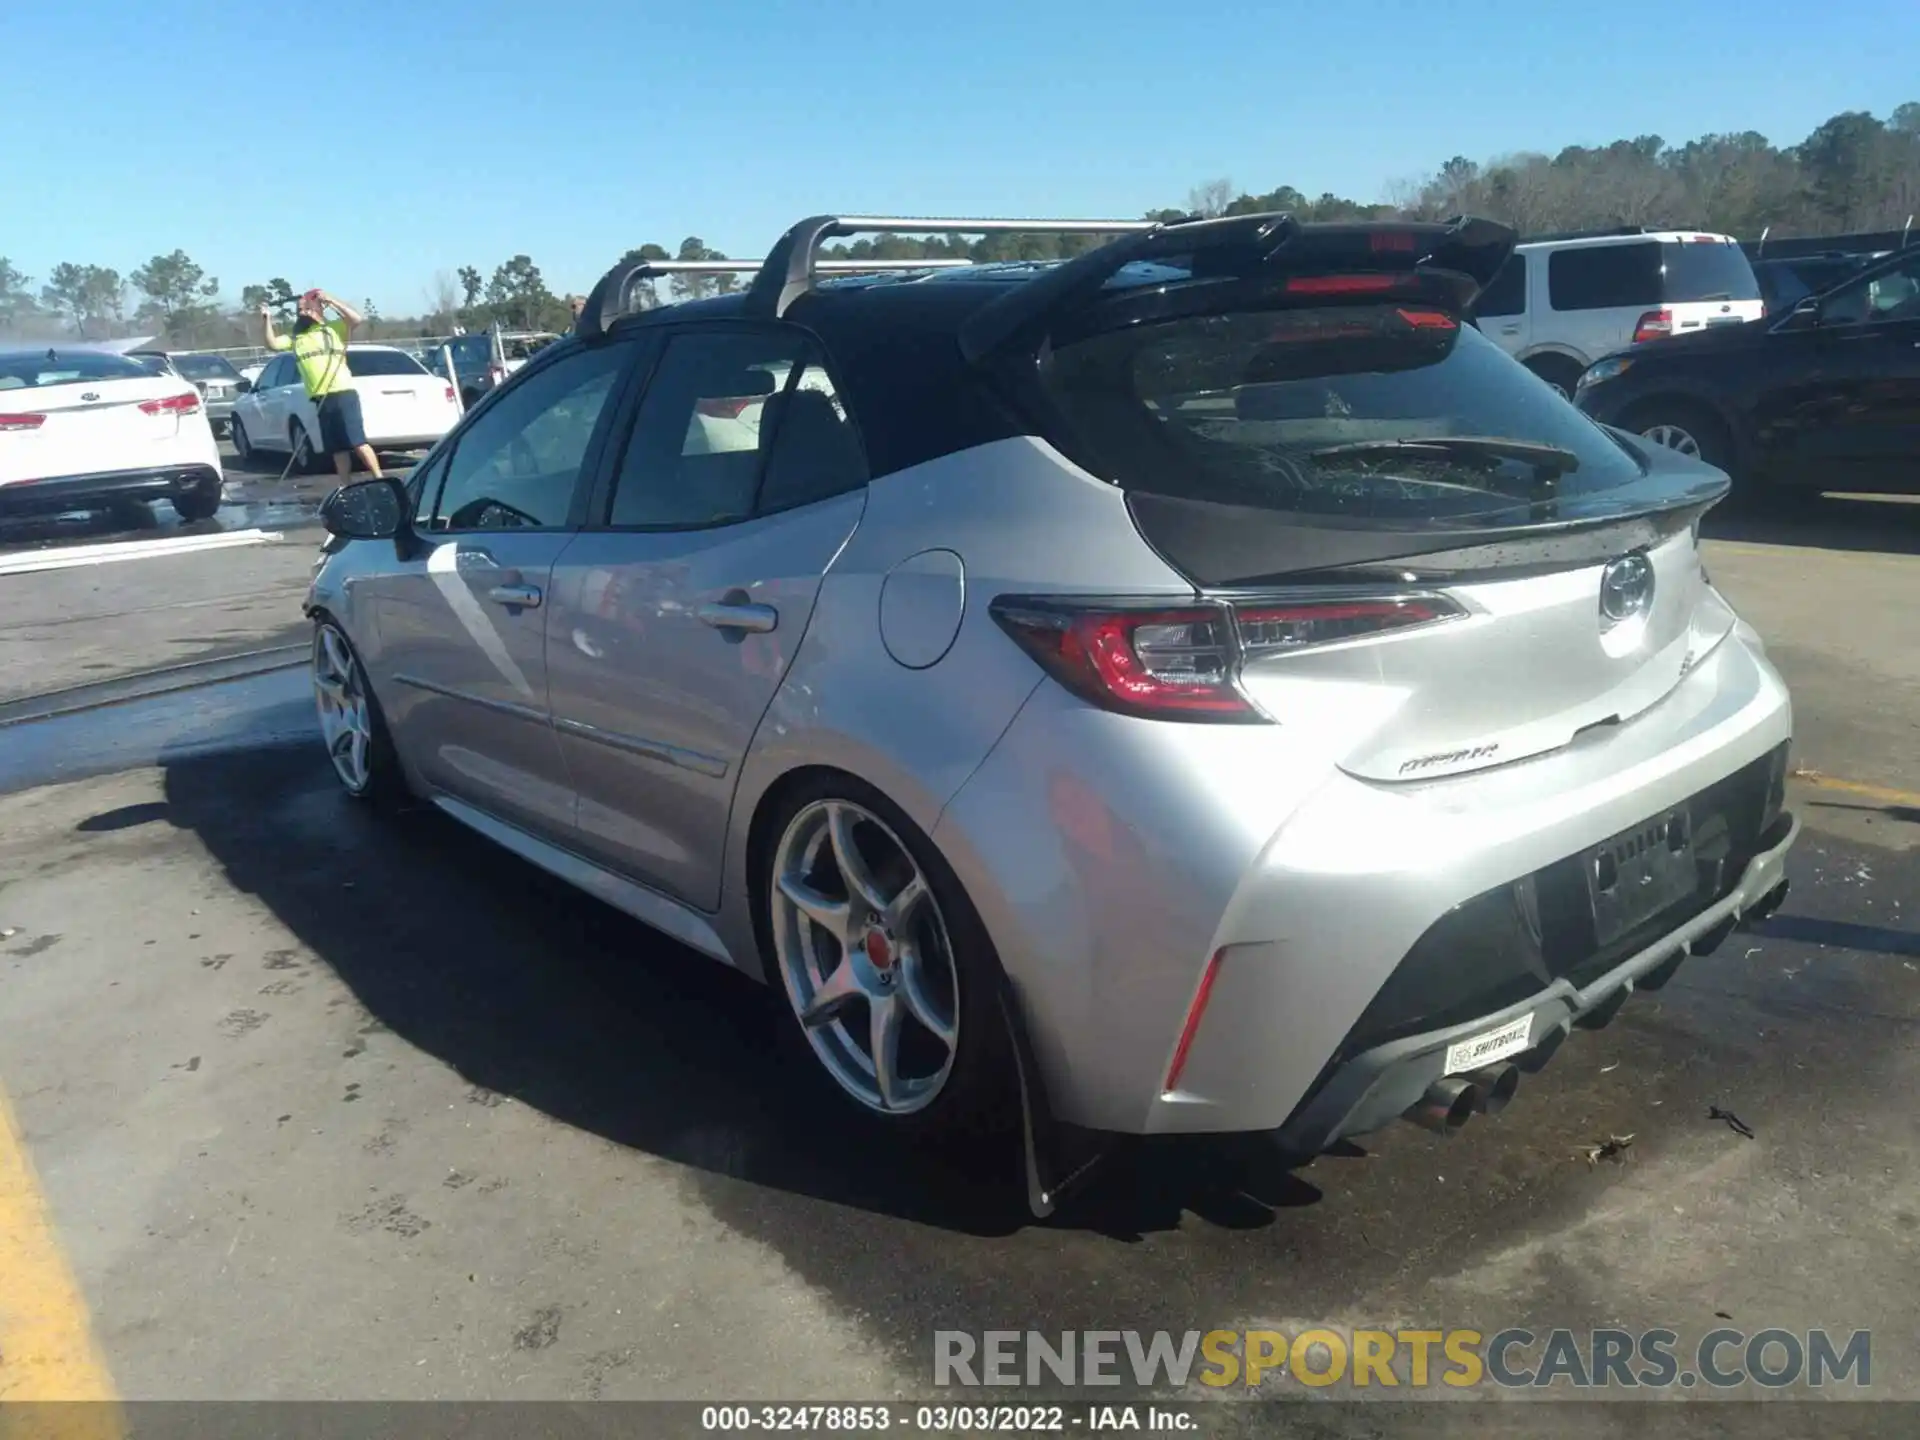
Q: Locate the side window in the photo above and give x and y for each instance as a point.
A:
(423, 488)
(1893, 295)
(1604, 277)
(1506, 294)
(815, 453)
(701, 434)
(517, 465)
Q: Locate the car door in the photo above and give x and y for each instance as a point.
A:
(1844, 395)
(462, 655)
(258, 409)
(678, 610)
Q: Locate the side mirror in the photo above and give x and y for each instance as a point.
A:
(1805, 314)
(366, 510)
(245, 387)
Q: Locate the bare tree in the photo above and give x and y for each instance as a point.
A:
(1210, 199)
(443, 300)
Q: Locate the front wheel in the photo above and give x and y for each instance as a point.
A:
(886, 966)
(197, 504)
(242, 445)
(351, 725)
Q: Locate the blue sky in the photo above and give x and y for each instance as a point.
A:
(422, 135)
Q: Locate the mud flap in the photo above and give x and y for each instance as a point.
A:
(1058, 1158)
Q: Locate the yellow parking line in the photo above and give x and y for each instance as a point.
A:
(1881, 793)
(47, 1349)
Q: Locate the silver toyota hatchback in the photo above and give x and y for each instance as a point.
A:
(1201, 687)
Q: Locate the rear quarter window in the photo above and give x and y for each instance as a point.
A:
(1605, 277)
(1507, 295)
(1696, 270)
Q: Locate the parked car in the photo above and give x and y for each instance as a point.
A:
(403, 405)
(1825, 397)
(81, 428)
(1562, 303)
(480, 365)
(219, 384)
(251, 371)
(1249, 707)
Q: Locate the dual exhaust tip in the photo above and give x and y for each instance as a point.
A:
(1452, 1101)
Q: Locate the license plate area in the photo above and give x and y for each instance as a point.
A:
(1639, 873)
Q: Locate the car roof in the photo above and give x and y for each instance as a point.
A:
(1656, 237)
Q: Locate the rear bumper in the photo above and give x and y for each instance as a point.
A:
(67, 492)
(1380, 1084)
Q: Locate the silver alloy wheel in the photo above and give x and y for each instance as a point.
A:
(1674, 438)
(346, 723)
(865, 956)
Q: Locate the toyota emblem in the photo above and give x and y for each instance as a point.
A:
(1626, 589)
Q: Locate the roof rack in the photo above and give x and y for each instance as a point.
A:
(795, 259)
(613, 296)
(1612, 231)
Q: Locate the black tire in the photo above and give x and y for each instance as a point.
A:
(197, 504)
(385, 787)
(979, 1096)
(242, 446)
(1558, 371)
(307, 463)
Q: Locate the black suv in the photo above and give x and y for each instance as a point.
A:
(1825, 397)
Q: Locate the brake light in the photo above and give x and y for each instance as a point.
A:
(1184, 662)
(1195, 1012)
(1343, 284)
(22, 422)
(1653, 325)
(173, 404)
(1428, 320)
(727, 407)
(1396, 240)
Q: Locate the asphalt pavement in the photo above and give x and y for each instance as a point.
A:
(326, 1106)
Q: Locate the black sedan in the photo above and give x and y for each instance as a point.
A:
(1826, 397)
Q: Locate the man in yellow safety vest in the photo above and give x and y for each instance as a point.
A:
(319, 348)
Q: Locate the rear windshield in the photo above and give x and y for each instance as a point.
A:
(65, 367)
(383, 362)
(1707, 270)
(1287, 410)
(205, 367)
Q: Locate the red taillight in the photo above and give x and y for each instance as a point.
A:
(727, 407)
(1184, 662)
(1343, 284)
(22, 422)
(450, 396)
(1428, 320)
(1395, 240)
(1654, 325)
(173, 404)
(1195, 1012)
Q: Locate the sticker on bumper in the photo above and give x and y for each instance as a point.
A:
(1492, 1045)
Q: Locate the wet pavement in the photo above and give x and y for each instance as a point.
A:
(333, 1106)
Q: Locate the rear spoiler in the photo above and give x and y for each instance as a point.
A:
(1461, 256)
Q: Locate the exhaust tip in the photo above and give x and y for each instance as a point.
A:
(1496, 1085)
(1448, 1104)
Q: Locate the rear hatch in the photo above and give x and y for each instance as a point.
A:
(1705, 280)
(1402, 540)
(65, 413)
(399, 398)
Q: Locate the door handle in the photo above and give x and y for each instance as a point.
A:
(526, 597)
(757, 618)
(1509, 329)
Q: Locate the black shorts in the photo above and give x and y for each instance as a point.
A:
(341, 427)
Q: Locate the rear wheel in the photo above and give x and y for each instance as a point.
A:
(885, 964)
(1560, 373)
(305, 462)
(197, 504)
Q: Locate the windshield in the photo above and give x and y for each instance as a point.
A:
(205, 367)
(1287, 409)
(383, 362)
(1706, 270)
(65, 367)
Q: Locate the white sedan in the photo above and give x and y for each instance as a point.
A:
(403, 405)
(80, 428)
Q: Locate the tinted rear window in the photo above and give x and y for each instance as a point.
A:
(65, 367)
(382, 362)
(1706, 270)
(1604, 277)
(1232, 408)
(205, 367)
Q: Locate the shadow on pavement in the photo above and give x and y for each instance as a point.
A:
(1828, 522)
(530, 989)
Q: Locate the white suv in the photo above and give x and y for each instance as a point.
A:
(1560, 304)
